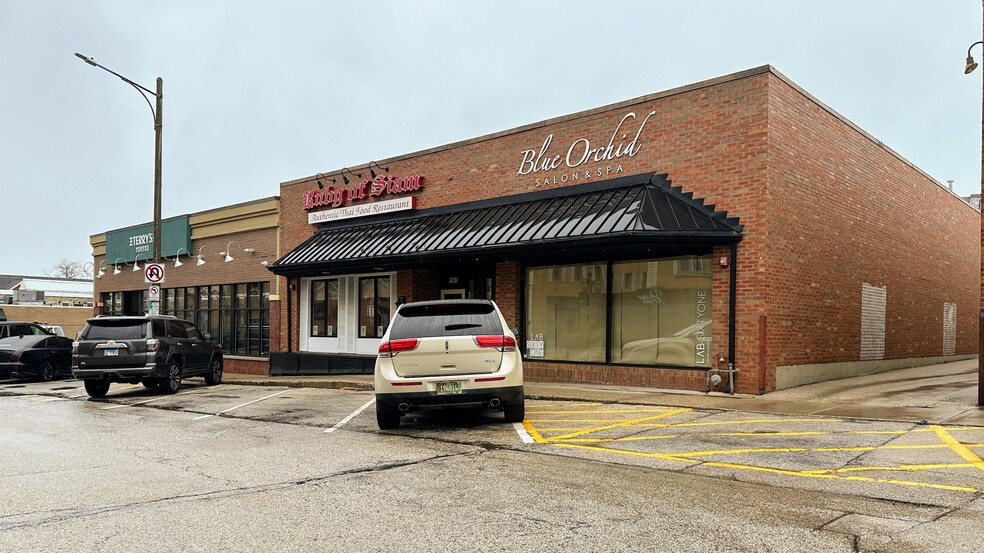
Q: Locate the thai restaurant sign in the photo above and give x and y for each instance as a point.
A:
(383, 185)
(347, 201)
(362, 210)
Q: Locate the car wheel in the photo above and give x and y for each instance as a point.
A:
(96, 388)
(517, 412)
(151, 382)
(214, 374)
(387, 419)
(172, 382)
(46, 371)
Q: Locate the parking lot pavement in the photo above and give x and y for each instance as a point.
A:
(326, 410)
(895, 460)
(891, 460)
(890, 450)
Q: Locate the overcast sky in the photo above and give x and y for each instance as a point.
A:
(257, 93)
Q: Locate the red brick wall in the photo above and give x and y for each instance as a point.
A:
(844, 212)
(824, 208)
(417, 285)
(507, 291)
(242, 365)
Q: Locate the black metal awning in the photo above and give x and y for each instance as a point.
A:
(640, 216)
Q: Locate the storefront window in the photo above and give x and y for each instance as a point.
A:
(235, 314)
(565, 312)
(374, 306)
(240, 320)
(660, 312)
(324, 308)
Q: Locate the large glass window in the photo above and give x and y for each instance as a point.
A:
(661, 312)
(658, 312)
(238, 315)
(565, 312)
(324, 308)
(374, 306)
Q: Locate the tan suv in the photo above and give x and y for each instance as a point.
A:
(445, 353)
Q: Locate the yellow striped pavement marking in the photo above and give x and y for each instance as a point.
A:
(592, 411)
(533, 432)
(958, 447)
(617, 425)
(752, 421)
(902, 468)
(677, 457)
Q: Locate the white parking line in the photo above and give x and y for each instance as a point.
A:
(158, 398)
(523, 434)
(354, 414)
(243, 405)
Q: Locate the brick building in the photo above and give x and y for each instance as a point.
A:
(734, 222)
(214, 274)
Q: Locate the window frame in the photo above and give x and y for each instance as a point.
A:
(698, 265)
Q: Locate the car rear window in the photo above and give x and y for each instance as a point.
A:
(115, 330)
(450, 319)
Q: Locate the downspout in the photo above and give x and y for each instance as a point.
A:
(290, 325)
(732, 294)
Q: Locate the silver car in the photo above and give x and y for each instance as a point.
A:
(448, 353)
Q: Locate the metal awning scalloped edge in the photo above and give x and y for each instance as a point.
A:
(617, 217)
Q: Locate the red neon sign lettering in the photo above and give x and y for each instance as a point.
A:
(369, 188)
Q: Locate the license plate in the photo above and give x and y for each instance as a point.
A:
(112, 352)
(450, 387)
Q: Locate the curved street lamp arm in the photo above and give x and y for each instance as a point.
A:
(141, 89)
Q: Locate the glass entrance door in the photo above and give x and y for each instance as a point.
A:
(473, 283)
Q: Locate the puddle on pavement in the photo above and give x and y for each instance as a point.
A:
(927, 388)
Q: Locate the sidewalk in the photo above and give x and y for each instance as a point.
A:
(933, 394)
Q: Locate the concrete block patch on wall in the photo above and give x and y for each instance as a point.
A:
(949, 328)
(873, 299)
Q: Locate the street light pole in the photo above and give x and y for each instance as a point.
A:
(970, 66)
(158, 143)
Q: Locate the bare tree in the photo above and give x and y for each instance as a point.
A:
(69, 269)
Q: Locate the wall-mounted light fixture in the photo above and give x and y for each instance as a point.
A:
(346, 179)
(228, 252)
(372, 172)
(177, 257)
(136, 266)
(116, 268)
(201, 260)
(320, 176)
(264, 263)
(102, 271)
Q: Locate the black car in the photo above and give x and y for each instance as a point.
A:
(18, 328)
(43, 356)
(156, 350)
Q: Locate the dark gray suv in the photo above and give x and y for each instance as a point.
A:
(156, 350)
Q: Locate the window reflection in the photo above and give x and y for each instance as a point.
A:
(660, 312)
(235, 314)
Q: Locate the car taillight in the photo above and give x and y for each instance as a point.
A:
(392, 347)
(501, 343)
(75, 348)
(153, 345)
